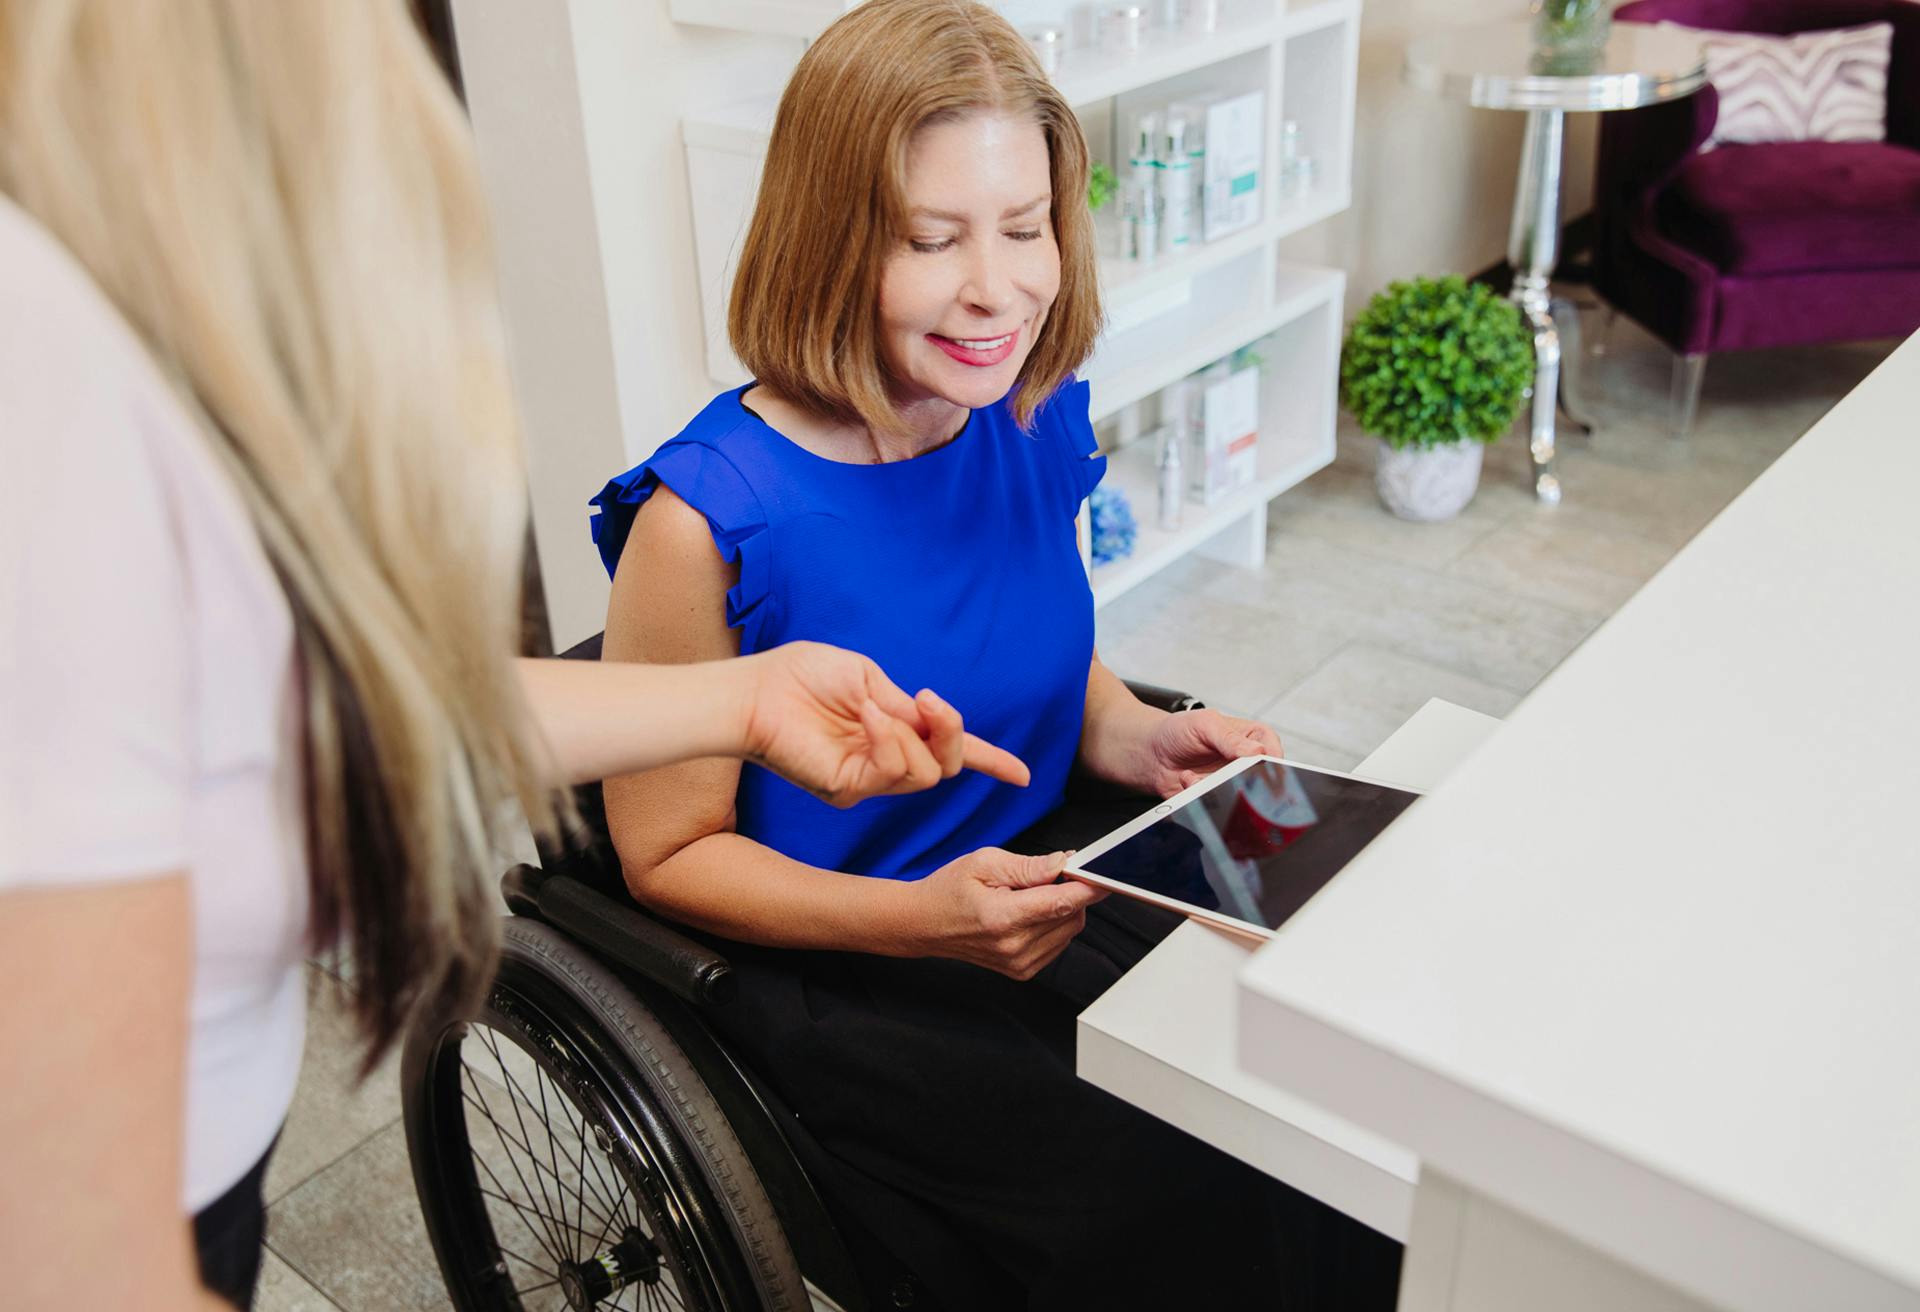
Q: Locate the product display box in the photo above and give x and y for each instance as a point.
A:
(1235, 140)
(1228, 434)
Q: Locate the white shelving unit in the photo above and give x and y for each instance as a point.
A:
(1300, 351)
(1165, 319)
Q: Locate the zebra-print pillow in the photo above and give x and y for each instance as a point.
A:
(1816, 86)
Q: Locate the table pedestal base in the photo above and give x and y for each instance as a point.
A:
(1566, 319)
(1532, 248)
(1466, 1251)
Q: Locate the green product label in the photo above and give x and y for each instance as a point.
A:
(1245, 183)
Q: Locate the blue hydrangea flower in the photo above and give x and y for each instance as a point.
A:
(1113, 525)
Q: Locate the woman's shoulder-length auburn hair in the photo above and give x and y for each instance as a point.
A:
(832, 206)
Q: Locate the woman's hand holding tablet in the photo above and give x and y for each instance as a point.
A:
(1011, 914)
(1187, 747)
(1148, 750)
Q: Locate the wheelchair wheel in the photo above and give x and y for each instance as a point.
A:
(568, 1157)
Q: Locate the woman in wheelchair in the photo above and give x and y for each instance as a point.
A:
(917, 284)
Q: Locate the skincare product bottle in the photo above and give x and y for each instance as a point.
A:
(1176, 429)
(1172, 483)
(1126, 28)
(1290, 188)
(1194, 114)
(1145, 150)
(1083, 24)
(1047, 43)
(1176, 187)
(1143, 192)
(1289, 140)
(1142, 228)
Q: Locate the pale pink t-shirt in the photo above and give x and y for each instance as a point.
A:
(148, 714)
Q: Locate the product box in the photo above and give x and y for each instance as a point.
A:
(1228, 435)
(1235, 140)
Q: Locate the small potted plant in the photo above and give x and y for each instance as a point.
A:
(1567, 33)
(1434, 368)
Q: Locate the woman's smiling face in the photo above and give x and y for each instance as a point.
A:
(967, 291)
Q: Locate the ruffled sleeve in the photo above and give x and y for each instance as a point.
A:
(1066, 415)
(709, 482)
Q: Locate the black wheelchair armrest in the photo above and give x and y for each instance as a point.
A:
(625, 934)
(1164, 699)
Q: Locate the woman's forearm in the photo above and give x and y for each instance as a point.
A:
(737, 888)
(601, 719)
(1116, 729)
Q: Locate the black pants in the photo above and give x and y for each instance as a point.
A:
(945, 1102)
(229, 1233)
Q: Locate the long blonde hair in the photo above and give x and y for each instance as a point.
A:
(832, 204)
(280, 196)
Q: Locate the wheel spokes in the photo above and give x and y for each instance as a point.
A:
(507, 1137)
(537, 1223)
(514, 1098)
(581, 1211)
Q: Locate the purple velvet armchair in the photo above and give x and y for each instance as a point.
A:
(1785, 244)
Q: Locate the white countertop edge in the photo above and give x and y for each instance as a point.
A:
(1378, 1195)
(1673, 1232)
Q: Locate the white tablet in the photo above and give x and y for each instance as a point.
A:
(1245, 847)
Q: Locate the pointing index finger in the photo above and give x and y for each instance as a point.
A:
(994, 762)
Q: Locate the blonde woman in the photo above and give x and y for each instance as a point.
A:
(261, 514)
(915, 288)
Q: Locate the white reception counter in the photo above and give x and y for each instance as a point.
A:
(1640, 984)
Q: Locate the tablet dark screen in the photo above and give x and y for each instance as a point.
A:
(1259, 845)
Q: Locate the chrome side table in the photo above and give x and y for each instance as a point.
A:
(1494, 66)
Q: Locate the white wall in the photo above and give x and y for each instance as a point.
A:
(576, 107)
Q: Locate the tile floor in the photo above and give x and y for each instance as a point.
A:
(1356, 620)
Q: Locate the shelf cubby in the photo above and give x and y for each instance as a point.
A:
(1297, 337)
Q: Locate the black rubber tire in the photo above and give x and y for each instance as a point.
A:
(627, 1079)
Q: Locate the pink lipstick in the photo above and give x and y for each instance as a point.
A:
(978, 352)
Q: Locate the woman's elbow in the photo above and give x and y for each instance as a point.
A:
(646, 883)
(652, 865)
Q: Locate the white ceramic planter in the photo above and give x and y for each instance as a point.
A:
(1427, 483)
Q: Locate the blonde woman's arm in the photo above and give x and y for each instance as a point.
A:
(674, 826)
(93, 1037)
(827, 719)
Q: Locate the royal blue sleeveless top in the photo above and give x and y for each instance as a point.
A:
(958, 570)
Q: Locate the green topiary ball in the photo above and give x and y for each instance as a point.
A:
(1433, 361)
